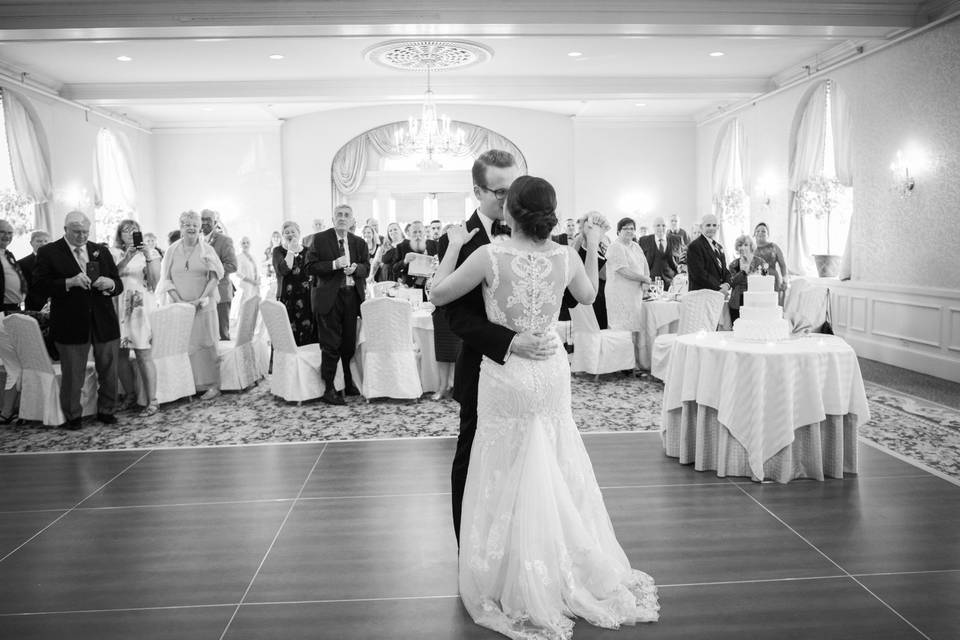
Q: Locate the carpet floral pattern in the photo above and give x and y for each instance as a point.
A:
(922, 431)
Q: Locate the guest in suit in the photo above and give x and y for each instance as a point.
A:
(34, 301)
(493, 173)
(434, 230)
(407, 251)
(663, 251)
(706, 263)
(190, 272)
(677, 230)
(569, 233)
(293, 284)
(340, 264)
(223, 245)
(13, 283)
(81, 312)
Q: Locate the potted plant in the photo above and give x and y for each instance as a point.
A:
(819, 197)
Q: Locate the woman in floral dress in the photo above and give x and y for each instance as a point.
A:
(293, 284)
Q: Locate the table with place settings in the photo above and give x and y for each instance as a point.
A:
(767, 410)
(658, 317)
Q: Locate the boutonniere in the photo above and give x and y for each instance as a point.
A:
(96, 254)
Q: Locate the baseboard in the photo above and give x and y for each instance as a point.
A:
(905, 358)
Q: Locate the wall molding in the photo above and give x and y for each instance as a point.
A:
(917, 328)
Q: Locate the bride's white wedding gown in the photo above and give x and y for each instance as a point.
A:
(537, 545)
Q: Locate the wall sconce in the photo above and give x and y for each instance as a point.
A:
(903, 182)
(763, 190)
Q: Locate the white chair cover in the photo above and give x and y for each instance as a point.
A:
(809, 308)
(389, 357)
(379, 289)
(8, 356)
(238, 358)
(596, 350)
(171, 326)
(296, 370)
(40, 378)
(700, 310)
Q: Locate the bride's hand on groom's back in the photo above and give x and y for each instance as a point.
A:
(533, 346)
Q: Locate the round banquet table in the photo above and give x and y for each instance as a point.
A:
(658, 317)
(778, 410)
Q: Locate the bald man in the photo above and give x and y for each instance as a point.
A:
(12, 281)
(80, 278)
(706, 262)
(664, 252)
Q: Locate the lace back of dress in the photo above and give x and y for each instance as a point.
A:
(527, 287)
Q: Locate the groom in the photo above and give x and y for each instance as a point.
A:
(493, 173)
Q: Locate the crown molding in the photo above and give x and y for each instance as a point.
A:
(187, 127)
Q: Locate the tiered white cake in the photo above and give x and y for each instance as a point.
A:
(760, 316)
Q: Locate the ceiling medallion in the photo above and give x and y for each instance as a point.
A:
(435, 55)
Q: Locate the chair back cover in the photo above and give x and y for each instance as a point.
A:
(171, 326)
(28, 343)
(812, 310)
(700, 311)
(583, 319)
(386, 325)
(379, 289)
(8, 355)
(278, 326)
(248, 320)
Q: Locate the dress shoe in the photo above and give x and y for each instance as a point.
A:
(72, 425)
(351, 390)
(332, 397)
(107, 418)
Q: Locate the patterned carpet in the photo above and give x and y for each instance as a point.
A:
(921, 431)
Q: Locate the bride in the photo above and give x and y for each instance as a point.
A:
(537, 546)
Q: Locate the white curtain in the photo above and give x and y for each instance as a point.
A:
(806, 161)
(29, 154)
(730, 177)
(351, 162)
(112, 173)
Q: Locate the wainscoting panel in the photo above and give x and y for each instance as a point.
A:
(917, 328)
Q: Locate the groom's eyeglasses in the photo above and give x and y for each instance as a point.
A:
(499, 194)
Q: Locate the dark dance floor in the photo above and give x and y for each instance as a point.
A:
(353, 540)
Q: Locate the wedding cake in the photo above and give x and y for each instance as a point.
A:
(761, 318)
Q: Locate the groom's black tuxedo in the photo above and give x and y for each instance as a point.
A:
(468, 319)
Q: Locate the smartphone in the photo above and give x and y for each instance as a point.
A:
(93, 270)
(137, 239)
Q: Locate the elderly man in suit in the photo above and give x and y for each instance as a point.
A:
(706, 262)
(80, 278)
(677, 230)
(339, 261)
(13, 283)
(223, 245)
(34, 301)
(663, 251)
(493, 173)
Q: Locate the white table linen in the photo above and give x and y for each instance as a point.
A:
(659, 317)
(763, 392)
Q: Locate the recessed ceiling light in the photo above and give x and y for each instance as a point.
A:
(124, 58)
(574, 54)
(276, 56)
(716, 54)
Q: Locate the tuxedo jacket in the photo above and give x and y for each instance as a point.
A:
(33, 301)
(223, 245)
(705, 269)
(664, 263)
(323, 250)
(77, 315)
(467, 317)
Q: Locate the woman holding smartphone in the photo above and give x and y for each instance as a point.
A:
(139, 269)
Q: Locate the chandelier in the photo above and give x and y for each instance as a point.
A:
(429, 134)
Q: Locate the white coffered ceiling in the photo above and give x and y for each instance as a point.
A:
(206, 63)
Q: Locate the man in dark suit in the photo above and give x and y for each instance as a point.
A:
(80, 278)
(706, 262)
(34, 301)
(493, 173)
(223, 245)
(677, 230)
(663, 252)
(339, 261)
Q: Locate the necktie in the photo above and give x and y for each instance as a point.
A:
(716, 249)
(661, 245)
(343, 251)
(498, 228)
(81, 258)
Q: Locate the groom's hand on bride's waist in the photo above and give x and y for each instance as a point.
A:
(533, 346)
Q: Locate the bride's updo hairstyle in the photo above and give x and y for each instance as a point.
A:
(532, 202)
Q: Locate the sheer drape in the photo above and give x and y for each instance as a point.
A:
(29, 154)
(351, 163)
(807, 148)
(113, 182)
(729, 180)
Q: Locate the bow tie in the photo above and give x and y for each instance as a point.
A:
(498, 228)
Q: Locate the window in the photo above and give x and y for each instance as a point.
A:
(115, 190)
(15, 208)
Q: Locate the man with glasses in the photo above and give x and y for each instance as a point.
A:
(493, 173)
(80, 278)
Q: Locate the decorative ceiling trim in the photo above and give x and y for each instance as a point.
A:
(421, 55)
